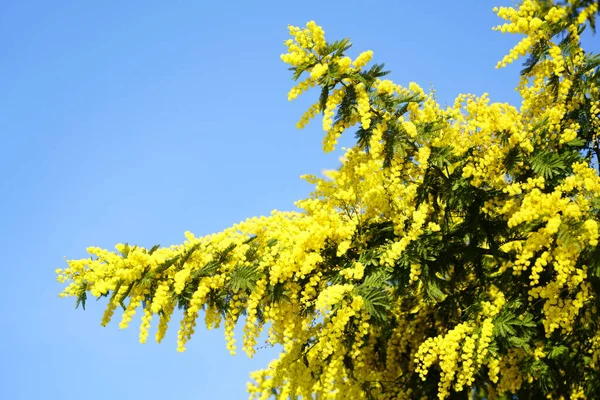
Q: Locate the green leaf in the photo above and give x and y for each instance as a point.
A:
(337, 48)
(244, 277)
(376, 298)
(557, 352)
(578, 142)
(377, 279)
(166, 265)
(376, 302)
(434, 292)
(208, 269)
(323, 98)
(81, 296)
(441, 156)
(518, 342)
(547, 164)
(502, 327)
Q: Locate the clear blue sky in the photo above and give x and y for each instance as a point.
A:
(136, 121)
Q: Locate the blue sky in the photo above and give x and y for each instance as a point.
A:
(136, 121)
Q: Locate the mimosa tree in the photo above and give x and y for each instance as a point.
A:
(454, 251)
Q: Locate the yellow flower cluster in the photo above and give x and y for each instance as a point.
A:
(364, 106)
(363, 59)
(386, 86)
(318, 71)
(454, 353)
(330, 106)
(300, 49)
(331, 296)
(309, 275)
(300, 88)
(357, 272)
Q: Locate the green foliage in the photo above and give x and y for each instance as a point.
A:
(462, 259)
(81, 296)
(377, 300)
(244, 278)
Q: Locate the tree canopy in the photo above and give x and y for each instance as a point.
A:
(454, 252)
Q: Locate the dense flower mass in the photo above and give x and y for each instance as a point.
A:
(455, 250)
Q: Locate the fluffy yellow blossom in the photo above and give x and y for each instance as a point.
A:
(318, 71)
(455, 247)
(363, 59)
